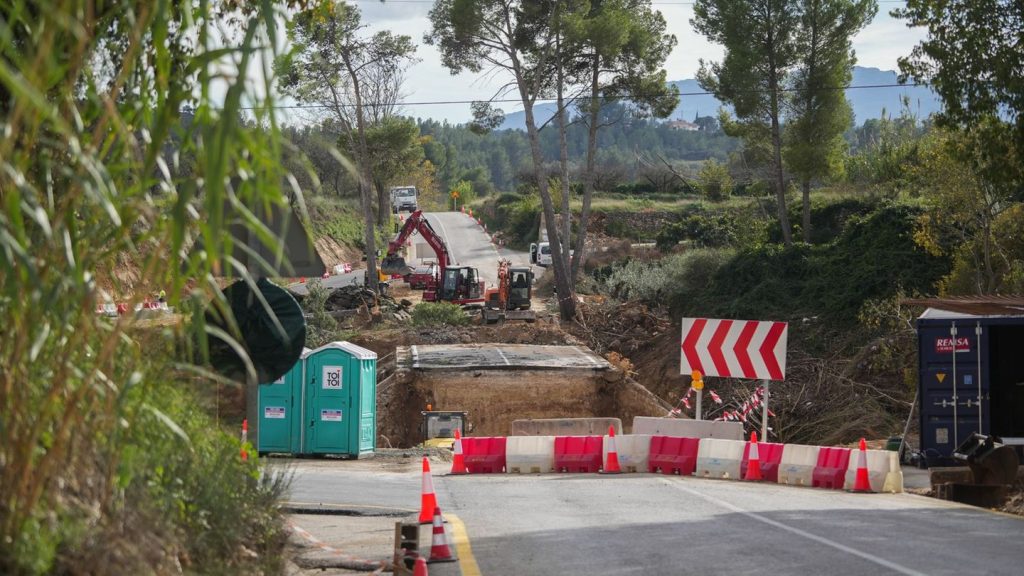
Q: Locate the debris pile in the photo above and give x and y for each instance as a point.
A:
(619, 327)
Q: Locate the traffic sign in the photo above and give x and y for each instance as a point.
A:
(734, 348)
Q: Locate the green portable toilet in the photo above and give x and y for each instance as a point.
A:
(279, 418)
(340, 400)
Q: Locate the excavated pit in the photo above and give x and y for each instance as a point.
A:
(499, 383)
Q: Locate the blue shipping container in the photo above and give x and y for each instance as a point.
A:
(971, 379)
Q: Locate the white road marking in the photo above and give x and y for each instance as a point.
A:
(415, 358)
(502, 354)
(820, 539)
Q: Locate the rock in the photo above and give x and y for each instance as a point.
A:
(405, 303)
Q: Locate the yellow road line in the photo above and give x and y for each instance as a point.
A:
(467, 563)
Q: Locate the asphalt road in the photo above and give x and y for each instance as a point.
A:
(650, 524)
(469, 245)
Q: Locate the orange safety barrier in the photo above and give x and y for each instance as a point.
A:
(578, 453)
(830, 472)
(484, 455)
(770, 455)
(673, 455)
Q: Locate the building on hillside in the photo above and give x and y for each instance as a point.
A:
(682, 125)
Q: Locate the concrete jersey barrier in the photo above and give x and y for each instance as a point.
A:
(684, 428)
(797, 464)
(633, 451)
(530, 454)
(565, 426)
(719, 458)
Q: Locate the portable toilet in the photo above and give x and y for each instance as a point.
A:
(971, 373)
(279, 418)
(340, 400)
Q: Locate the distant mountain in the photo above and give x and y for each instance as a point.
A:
(866, 102)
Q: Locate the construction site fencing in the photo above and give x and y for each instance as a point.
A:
(578, 453)
(673, 455)
(717, 458)
(632, 449)
(797, 464)
(769, 455)
(530, 454)
(484, 455)
(830, 471)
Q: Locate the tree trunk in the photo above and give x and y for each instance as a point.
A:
(807, 210)
(563, 157)
(365, 192)
(383, 204)
(779, 178)
(566, 297)
(579, 258)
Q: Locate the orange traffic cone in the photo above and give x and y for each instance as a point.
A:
(612, 465)
(753, 460)
(420, 569)
(861, 483)
(439, 550)
(428, 501)
(458, 461)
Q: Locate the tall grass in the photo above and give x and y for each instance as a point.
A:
(98, 166)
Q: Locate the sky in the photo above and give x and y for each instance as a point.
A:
(879, 45)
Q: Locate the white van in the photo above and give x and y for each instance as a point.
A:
(540, 254)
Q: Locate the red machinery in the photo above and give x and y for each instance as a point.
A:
(455, 284)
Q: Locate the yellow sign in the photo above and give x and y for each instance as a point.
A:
(455, 194)
(941, 377)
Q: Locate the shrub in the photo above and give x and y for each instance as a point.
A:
(438, 314)
(321, 327)
(715, 181)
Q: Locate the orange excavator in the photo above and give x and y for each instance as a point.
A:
(511, 299)
(456, 284)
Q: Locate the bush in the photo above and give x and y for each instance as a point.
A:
(321, 327)
(438, 314)
(715, 181)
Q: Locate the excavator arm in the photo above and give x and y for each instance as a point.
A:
(393, 263)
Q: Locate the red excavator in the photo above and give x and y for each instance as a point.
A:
(456, 284)
(511, 299)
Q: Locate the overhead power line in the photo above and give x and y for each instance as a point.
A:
(541, 100)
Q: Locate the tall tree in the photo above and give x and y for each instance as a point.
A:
(621, 46)
(332, 63)
(973, 58)
(761, 47)
(476, 34)
(820, 114)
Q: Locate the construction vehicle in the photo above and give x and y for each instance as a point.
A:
(456, 284)
(511, 299)
(439, 427)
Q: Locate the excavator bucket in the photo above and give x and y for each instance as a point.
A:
(394, 265)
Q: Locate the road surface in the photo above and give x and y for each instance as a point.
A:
(651, 524)
(469, 245)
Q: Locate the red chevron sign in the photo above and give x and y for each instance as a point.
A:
(734, 348)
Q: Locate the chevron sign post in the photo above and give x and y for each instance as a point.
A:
(735, 349)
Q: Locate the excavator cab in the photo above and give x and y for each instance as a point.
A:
(519, 288)
(460, 283)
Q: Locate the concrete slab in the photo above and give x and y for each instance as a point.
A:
(499, 357)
